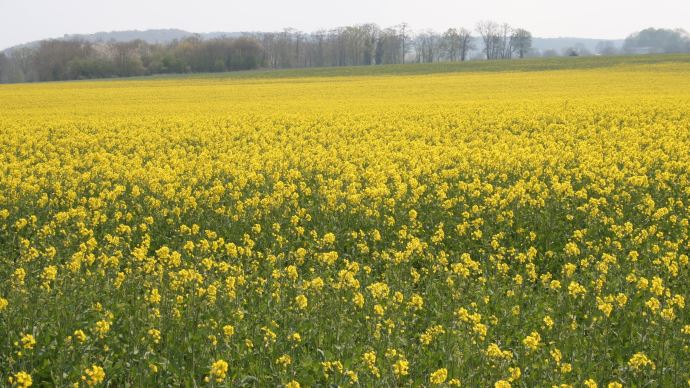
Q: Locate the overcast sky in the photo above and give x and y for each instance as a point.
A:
(27, 20)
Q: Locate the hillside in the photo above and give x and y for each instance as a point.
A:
(169, 35)
(148, 36)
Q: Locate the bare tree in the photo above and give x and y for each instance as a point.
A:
(489, 31)
(388, 47)
(450, 43)
(127, 59)
(370, 34)
(427, 47)
(403, 28)
(466, 43)
(299, 49)
(285, 52)
(505, 43)
(24, 59)
(52, 57)
(10, 68)
(521, 42)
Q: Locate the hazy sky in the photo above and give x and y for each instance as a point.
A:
(26, 20)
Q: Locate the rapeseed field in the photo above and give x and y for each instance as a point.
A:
(474, 229)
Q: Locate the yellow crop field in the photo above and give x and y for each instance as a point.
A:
(460, 229)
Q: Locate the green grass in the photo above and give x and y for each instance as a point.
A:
(515, 65)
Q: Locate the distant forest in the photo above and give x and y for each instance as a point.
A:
(359, 45)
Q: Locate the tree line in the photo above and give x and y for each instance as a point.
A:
(364, 44)
(56, 60)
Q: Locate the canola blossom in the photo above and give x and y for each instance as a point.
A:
(473, 229)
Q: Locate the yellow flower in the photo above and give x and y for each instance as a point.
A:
(515, 373)
(302, 302)
(571, 249)
(401, 368)
(352, 376)
(19, 275)
(556, 355)
(155, 335)
(102, 328)
(430, 333)
(495, 352)
(398, 297)
(21, 380)
(480, 329)
(590, 383)
(640, 360)
(80, 335)
(48, 275)
(379, 290)
(154, 297)
(653, 304)
(358, 300)
(439, 376)
(621, 299)
(575, 289)
(284, 360)
(219, 371)
(292, 384)
(228, 330)
(291, 272)
(328, 238)
(604, 306)
(532, 341)
(93, 376)
(569, 269)
(657, 286)
(502, 384)
(369, 359)
(668, 313)
(28, 341)
(331, 366)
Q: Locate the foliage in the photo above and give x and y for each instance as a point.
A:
(59, 60)
(660, 40)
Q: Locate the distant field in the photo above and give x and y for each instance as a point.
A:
(529, 64)
(521, 223)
